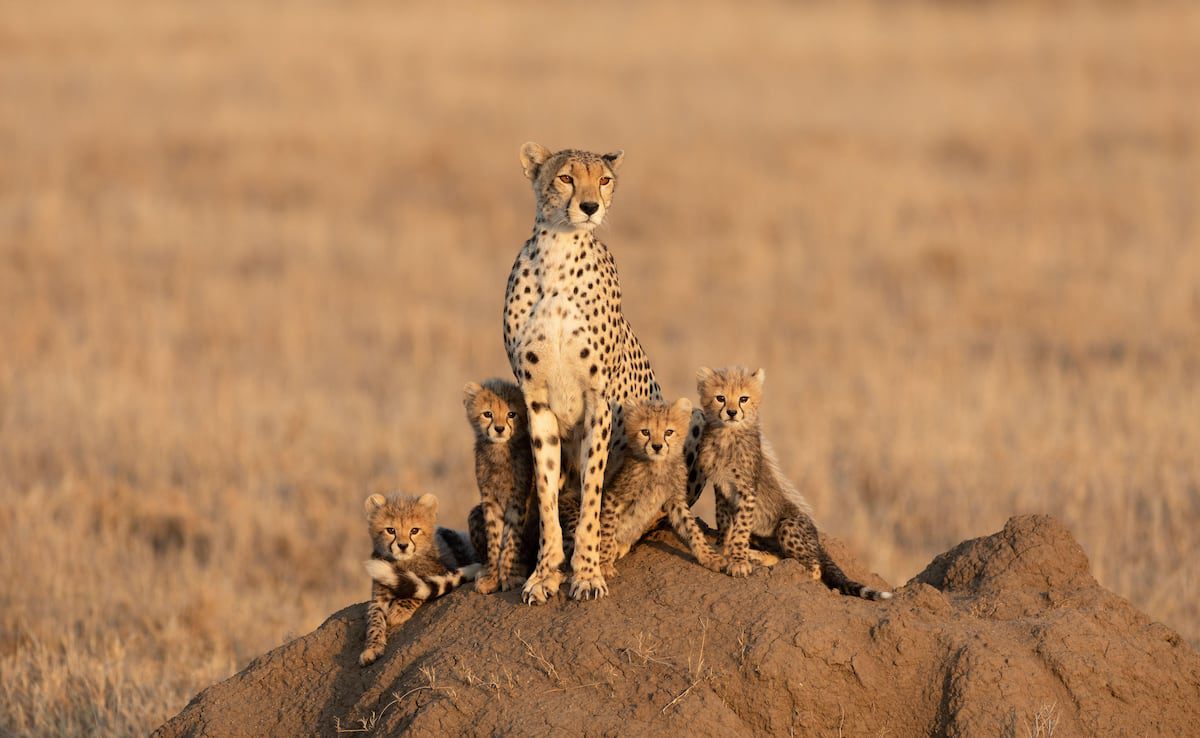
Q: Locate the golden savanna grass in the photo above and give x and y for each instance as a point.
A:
(250, 252)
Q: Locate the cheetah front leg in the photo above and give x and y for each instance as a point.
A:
(510, 544)
(376, 636)
(587, 581)
(737, 540)
(689, 531)
(544, 582)
(610, 516)
(724, 513)
(488, 580)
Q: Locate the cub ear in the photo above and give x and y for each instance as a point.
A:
(703, 374)
(533, 156)
(760, 376)
(428, 500)
(373, 503)
(470, 390)
(683, 406)
(614, 159)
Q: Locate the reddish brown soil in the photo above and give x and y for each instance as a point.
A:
(1004, 635)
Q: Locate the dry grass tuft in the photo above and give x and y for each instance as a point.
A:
(249, 256)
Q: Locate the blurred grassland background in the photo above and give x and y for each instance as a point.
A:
(250, 252)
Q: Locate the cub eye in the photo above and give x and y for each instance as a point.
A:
(487, 414)
(669, 432)
(646, 432)
(512, 414)
(390, 531)
(720, 399)
(414, 531)
(744, 399)
(605, 180)
(565, 178)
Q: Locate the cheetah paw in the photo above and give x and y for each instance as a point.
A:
(541, 587)
(510, 583)
(739, 568)
(608, 570)
(714, 563)
(486, 583)
(368, 656)
(585, 587)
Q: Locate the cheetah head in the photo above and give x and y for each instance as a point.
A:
(574, 189)
(401, 527)
(495, 410)
(656, 430)
(731, 395)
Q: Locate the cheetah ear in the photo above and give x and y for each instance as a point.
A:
(470, 390)
(373, 503)
(683, 406)
(760, 376)
(614, 159)
(428, 500)
(533, 156)
(703, 374)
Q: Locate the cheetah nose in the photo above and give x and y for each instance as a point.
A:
(731, 413)
(656, 446)
(589, 207)
(499, 429)
(402, 546)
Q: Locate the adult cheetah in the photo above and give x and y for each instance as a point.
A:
(576, 358)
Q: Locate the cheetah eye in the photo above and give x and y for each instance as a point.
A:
(566, 178)
(646, 432)
(669, 432)
(487, 414)
(390, 531)
(414, 531)
(720, 399)
(512, 414)
(744, 399)
(605, 180)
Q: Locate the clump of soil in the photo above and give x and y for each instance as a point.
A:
(1003, 635)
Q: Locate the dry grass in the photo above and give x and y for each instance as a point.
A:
(250, 252)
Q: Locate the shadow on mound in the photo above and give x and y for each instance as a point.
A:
(1003, 635)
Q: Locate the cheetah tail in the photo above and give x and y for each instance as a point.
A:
(382, 572)
(833, 576)
(406, 585)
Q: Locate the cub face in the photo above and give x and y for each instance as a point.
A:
(656, 430)
(401, 527)
(730, 396)
(495, 410)
(574, 189)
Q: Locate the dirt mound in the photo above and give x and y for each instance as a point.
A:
(1003, 635)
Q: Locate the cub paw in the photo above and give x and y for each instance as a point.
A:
(486, 583)
(608, 570)
(510, 583)
(739, 568)
(588, 587)
(368, 656)
(541, 587)
(714, 563)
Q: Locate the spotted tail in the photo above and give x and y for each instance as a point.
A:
(407, 585)
(834, 578)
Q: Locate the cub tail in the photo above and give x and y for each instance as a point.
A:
(833, 577)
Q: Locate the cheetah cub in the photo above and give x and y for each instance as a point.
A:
(652, 481)
(753, 496)
(503, 530)
(406, 567)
